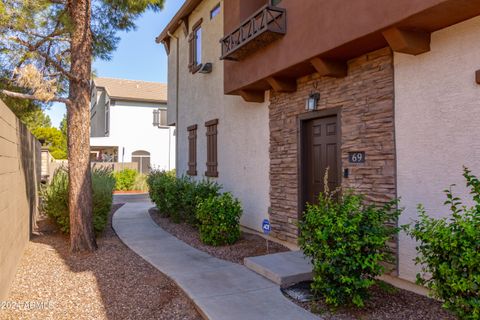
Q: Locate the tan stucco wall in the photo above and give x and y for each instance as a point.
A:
(243, 135)
(437, 112)
(19, 176)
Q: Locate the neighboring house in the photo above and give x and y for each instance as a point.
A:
(381, 93)
(129, 124)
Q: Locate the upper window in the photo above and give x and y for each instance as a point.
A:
(195, 41)
(198, 45)
(215, 11)
(275, 2)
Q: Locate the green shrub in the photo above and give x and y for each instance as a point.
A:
(158, 183)
(195, 192)
(103, 184)
(125, 179)
(177, 198)
(346, 241)
(55, 198)
(449, 252)
(219, 219)
(141, 183)
(162, 185)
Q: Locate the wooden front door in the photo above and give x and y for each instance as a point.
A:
(321, 146)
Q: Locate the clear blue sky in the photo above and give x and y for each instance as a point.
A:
(137, 57)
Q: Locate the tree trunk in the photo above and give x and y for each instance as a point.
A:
(82, 236)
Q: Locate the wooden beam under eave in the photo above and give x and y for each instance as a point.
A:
(282, 85)
(330, 68)
(406, 41)
(166, 44)
(184, 24)
(252, 95)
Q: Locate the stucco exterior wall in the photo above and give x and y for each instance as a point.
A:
(437, 105)
(19, 178)
(243, 134)
(131, 128)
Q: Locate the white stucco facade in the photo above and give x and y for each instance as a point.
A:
(131, 129)
(243, 128)
(437, 123)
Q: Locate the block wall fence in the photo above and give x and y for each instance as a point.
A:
(20, 168)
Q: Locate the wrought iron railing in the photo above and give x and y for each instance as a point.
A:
(264, 26)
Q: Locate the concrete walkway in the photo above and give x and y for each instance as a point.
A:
(221, 290)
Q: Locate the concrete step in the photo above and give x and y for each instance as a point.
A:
(283, 268)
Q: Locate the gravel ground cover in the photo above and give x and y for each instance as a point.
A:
(111, 283)
(386, 303)
(250, 245)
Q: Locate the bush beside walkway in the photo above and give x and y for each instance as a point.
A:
(199, 203)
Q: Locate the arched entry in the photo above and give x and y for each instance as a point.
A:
(142, 157)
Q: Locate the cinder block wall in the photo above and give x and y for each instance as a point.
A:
(20, 168)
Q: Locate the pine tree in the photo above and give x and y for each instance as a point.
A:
(47, 47)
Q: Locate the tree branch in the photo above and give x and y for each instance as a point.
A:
(33, 97)
(48, 59)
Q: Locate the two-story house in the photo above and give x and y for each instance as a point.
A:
(385, 94)
(129, 124)
(218, 137)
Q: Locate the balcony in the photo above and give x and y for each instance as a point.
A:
(266, 25)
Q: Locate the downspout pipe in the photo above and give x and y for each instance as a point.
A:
(177, 85)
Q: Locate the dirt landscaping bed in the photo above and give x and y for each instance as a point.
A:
(111, 283)
(386, 302)
(249, 245)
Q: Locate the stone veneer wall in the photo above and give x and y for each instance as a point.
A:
(367, 124)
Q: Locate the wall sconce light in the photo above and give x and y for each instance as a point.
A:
(312, 101)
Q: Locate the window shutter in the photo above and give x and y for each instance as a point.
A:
(159, 118)
(191, 51)
(192, 150)
(107, 118)
(212, 160)
(155, 118)
(163, 117)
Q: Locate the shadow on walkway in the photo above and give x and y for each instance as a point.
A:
(127, 287)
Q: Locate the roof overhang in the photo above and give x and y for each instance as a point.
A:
(177, 20)
(129, 99)
(409, 34)
(117, 98)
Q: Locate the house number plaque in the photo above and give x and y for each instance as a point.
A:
(356, 157)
